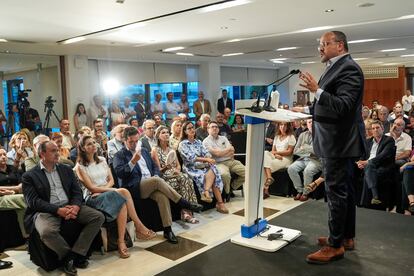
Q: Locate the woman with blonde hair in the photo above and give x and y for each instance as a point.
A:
(175, 137)
(21, 148)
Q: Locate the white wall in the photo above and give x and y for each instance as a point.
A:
(43, 83)
(315, 70)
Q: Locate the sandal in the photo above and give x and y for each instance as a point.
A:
(309, 188)
(148, 235)
(221, 208)
(269, 181)
(189, 219)
(205, 196)
(123, 250)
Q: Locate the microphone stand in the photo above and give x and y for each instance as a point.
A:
(283, 79)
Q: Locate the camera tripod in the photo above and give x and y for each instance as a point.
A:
(47, 119)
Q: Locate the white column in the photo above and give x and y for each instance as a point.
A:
(77, 83)
(210, 82)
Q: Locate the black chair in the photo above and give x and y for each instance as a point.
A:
(46, 258)
(282, 186)
(10, 233)
(238, 140)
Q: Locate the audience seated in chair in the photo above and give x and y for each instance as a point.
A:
(31, 162)
(403, 142)
(307, 162)
(224, 128)
(379, 161)
(116, 143)
(408, 186)
(281, 155)
(223, 153)
(116, 204)
(199, 165)
(201, 131)
(148, 140)
(52, 193)
(11, 197)
(20, 150)
(139, 174)
(175, 136)
(165, 158)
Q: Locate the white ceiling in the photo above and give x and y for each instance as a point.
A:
(35, 27)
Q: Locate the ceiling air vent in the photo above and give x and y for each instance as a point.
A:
(385, 72)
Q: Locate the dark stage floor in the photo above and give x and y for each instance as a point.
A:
(384, 246)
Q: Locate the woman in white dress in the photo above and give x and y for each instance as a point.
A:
(116, 204)
(281, 155)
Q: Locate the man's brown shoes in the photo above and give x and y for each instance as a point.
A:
(348, 244)
(326, 255)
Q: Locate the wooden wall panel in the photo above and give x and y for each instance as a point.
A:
(386, 91)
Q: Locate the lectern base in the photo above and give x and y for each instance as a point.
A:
(261, 243)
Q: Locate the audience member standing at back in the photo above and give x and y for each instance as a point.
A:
(224, 102)
(140, 109)
(201, 106)
(97, 111)
(80, 118)
(171, 109)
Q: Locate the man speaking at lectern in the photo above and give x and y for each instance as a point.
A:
(338, 135)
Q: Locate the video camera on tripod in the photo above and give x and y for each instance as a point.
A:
(49, 103)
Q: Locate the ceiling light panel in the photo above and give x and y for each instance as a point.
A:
(393, 50)
(224, 5)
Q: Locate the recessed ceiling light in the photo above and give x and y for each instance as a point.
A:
(73, 40)
(173, 49)
(360, 58)
(287, 48)
(278, 59)
(308, 62)
(365, 5)
(233, 40)
(315, 29)
(3, 40)
(410, 55)
(410, 16)
(362, 40)
(394, 50)
(224, 27)
(232, 54)
(224, 5)
(329, 10)
(184, 54)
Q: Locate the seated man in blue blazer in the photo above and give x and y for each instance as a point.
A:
(139, 174)
(378, 160)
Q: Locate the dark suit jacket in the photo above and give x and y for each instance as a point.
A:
(130, 178)
(36, 191)
(141, 113)
(385, 153)
(338, 128)
(221, 105)
(145, 143)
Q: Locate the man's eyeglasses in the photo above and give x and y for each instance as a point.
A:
(325, 44)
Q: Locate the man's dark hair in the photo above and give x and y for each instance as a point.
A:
(340, 36)
(377, 122)
(131, 120)
(42, 147)
(98, 120)
(130, 131)
(212, 122)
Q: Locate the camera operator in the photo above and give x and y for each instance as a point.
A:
(32, 121)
